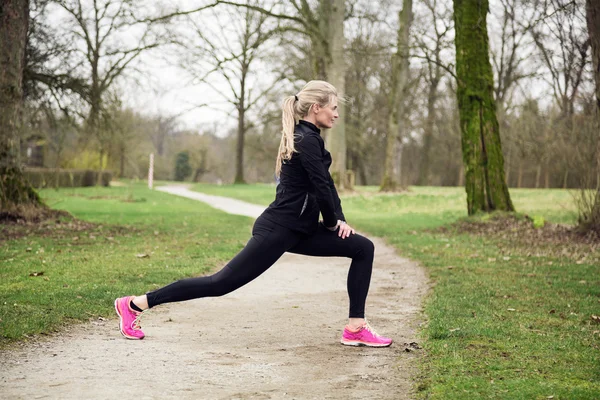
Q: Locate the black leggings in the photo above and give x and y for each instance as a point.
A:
(268, 243)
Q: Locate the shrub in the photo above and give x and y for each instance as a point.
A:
(183, 169)
(55, 178)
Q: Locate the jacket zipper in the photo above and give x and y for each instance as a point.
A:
(304, 205)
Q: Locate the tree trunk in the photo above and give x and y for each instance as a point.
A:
(239, 161)
(241, 130)
(396, 128)
(593, 24)
(482, 151)
(520, 176)
(336, 72)
(14, 188)
(122, 160)
(508, 165)
(538, 175)
(428, 134)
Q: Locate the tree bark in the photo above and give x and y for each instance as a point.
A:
(336, 73)
(396, 127)
(14, 188)
(593, 24)
(482, 151)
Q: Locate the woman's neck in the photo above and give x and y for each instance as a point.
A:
(312, 119)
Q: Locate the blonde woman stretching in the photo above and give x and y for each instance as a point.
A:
(290, 223)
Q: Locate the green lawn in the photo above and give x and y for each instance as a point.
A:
(510, 316)
(140, 240)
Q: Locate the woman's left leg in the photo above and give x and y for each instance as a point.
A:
(325, 243)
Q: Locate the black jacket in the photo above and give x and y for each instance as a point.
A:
(305, 188)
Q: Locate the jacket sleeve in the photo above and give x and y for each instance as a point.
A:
(311, 158)
(336, 201)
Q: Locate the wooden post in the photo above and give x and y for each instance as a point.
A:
(151, 171)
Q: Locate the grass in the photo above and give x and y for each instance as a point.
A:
(138, 240)
(510, 316)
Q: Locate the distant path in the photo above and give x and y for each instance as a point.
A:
(275, 338)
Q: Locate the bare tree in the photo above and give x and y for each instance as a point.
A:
(323, 25)
(397, 101)
(232, 54)
(431, 40)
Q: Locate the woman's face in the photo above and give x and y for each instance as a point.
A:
(326, 116)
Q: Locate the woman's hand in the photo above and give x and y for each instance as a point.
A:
(345, 230)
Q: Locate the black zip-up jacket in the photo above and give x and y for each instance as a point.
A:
(305, 186)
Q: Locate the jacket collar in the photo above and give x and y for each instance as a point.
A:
(306, 127)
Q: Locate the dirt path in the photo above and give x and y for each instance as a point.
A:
(275, 338)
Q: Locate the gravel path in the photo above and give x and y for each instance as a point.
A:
(275, 338)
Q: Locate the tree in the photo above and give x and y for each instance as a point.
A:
(397, 101)
(14, 189)
(593, 25)
(324, 27)
(431, 44)
(231, 52)
(485, 182)
(590, 217)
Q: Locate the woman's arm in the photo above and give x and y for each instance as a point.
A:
(336, 200)
(311, 158)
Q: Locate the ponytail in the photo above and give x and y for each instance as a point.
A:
(288, 122)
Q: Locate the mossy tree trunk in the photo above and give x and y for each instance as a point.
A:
(14, 189)
(396, 126)
(593, 24)
(485, 181)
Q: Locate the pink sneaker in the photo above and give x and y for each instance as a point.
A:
(365, 336)
(129, 320)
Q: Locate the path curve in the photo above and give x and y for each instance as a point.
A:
(275, 338)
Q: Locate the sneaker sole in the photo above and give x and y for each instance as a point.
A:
(121, 324)
(363, 344)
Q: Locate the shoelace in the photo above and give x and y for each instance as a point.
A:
(370, 329)
(137, 321)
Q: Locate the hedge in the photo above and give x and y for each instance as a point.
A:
(54, 178)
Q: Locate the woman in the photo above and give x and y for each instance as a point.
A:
(290, 223)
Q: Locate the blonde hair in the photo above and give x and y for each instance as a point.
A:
(297, 107)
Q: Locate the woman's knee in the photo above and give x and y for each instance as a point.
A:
(365, 248)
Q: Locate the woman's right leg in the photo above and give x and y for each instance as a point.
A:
(268, 243)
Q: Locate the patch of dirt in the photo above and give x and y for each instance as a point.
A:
(552, 239)
(55, 224)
